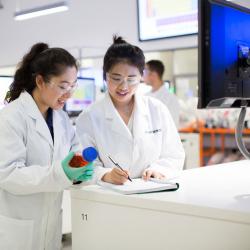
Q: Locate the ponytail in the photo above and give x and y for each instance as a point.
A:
(40, 60)
(118, 40)
(23, 78)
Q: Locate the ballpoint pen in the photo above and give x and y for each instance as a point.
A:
(115, 163)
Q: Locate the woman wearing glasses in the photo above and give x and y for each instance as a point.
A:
(136, 132)
(35, 137)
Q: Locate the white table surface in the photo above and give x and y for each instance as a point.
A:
(220, 191)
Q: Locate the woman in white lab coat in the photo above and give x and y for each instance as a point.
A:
(137, 132)
(35, 137)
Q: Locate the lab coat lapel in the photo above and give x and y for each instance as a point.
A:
(58, 131)
(43, 130)
(34, 112)
(141, 117)
(113, 117)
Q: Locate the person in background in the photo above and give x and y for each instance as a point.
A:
(36, 137)
(153, 76)
(135, 131)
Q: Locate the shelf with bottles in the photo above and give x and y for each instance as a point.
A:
(219, 140)
(215, 142)
(228, 155)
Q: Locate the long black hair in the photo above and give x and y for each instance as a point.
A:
(40, 60)
(121, 51)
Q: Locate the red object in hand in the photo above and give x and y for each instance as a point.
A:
(77, 161)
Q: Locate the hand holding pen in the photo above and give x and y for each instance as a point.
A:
(117, 175)
(115, 163)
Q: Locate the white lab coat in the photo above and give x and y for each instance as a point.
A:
(31, 176)
(170, 100)
(155, 143)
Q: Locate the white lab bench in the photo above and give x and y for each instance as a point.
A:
(211, 210)
(66, 212)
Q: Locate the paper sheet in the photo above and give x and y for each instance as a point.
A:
(138, 186)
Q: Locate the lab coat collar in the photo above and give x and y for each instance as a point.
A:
(140, 118)
(33, 111)
(140, 105)
(112, 115)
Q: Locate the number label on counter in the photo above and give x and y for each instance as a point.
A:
(85, 217)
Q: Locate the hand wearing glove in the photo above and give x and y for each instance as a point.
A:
(81, 173)
(87, 175)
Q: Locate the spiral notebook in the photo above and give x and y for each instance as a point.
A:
(138, 186)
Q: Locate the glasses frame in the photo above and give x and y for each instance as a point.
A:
(124, 79)
(63, 90)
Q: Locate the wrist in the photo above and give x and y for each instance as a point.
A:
(107, 177)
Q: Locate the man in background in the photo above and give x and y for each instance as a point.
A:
(153, 75)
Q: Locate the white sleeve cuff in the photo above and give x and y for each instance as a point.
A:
(60, 175)
(99, 172)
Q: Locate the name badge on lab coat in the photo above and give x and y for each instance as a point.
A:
(153, 131)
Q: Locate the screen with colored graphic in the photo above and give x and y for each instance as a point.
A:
(83, 96)
(167, 18)
(5, 82)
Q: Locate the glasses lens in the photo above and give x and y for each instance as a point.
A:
(73, 88)
(132, 80)
(68, 89)
(118, 80)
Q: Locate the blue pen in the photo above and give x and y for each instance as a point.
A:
(115, 163)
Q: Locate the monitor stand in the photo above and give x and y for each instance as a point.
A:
(238, 134)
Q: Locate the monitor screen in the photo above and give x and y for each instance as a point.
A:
(224, 55)
(5, 82)
(83, 96)
(166, 18)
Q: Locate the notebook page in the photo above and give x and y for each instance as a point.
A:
(138, 186)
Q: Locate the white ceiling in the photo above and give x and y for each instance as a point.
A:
(88, 24)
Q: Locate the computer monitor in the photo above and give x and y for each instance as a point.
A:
(83, 96)
(5, 82)
(224, 54)
(159, 19)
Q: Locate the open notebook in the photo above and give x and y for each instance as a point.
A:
(138, 186)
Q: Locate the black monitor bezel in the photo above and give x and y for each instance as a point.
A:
(204, 14)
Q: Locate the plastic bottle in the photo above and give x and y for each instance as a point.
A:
(88, 155)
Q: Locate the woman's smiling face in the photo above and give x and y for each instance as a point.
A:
(122, 82)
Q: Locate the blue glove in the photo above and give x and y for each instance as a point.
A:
(81, 173)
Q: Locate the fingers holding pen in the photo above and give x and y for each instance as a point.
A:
(116, 176)
(120, 172)
(119, 176)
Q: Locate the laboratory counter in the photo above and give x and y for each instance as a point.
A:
(211, 210)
